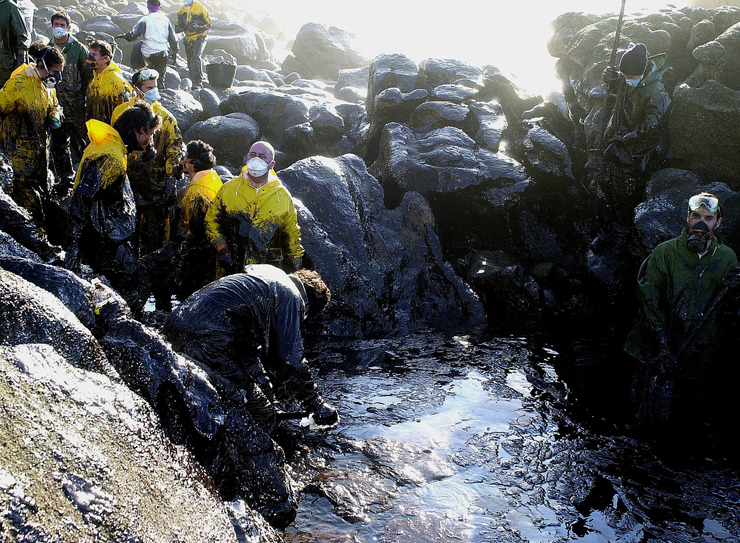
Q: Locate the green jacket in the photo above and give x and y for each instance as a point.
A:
(14, 36)
(76, 76)
(675, 288)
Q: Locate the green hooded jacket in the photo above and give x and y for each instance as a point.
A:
(76, 76)
(676, 286)
(13, 37)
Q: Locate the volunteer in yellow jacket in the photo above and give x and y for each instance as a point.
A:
(153, 175)
(28, 108)
(253, 219)
(108, 89)
(197, 256)
(102, 211)
(193, 20)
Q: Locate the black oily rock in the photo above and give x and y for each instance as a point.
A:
(322, 51)
(29, 314)
(83, 459)
(230, 136)
(386, 267)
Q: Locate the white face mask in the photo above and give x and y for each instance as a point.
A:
(188, 2)
(59, 32)
(257, 167)
(152, 95)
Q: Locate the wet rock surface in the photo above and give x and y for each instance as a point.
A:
(84, 458)
(480, 440)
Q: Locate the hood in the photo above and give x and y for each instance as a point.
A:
(101, 133)
(660, 69)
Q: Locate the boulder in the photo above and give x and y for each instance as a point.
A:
(275, 111)
(323, 51)
(702, 129)
(385, 268)
(730, 40)
(352, 84)
(183, 106)
(30, 314)
(83, 459)
(231, 136)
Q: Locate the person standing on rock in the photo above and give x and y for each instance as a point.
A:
(69, 141)
(631, 141)
(108, 89)
(102, 211)
(29, 111)
(253, 219)
(14, 39)
(197, 257)
(194, 21)
(675, 336)
(159, 43)
(153, 174)
(247, 328)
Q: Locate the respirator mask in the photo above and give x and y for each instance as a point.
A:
(699, 237)
(257, 167)
(59, 32)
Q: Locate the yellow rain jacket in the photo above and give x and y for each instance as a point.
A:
(193, 20)
(107, 150)
(105, 92)
(27, 106)
(167, 140)
(258, 225)
(195, 202)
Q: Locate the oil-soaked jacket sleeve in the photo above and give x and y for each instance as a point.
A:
(213, 229)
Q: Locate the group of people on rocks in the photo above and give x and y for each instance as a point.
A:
(150, 213)
(223, 249)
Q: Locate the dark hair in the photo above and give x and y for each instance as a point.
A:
(61, 14)
(201, 154)
(40, 51)
(317, 292)
(140, 115)
(104, 48)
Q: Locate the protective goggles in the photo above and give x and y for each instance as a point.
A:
(145, 75)
(710, 203)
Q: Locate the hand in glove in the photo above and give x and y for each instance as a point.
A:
(610, 75)
(225, 260)
(666, 361)
(732, 279)
(21, 57)
(626, 139)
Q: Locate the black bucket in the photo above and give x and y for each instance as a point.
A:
(221, 75)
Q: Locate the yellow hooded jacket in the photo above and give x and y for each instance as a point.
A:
(105, 92)
(102, 202)
(167, 139)
(254, 223)
(193, 20)
(107, 147)
(196, 200)
(27, 105)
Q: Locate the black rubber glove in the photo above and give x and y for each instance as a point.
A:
(666, 360)
(225, 260)
(732, 279)
(610, 75)
(627, 138)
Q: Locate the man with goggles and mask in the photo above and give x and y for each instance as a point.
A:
(28, 108)
(253, 220)
(676, 333)
(153, 173)
(102, 211)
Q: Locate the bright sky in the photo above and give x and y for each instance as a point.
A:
(511, 35)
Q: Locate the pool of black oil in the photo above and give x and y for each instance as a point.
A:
(455, 438)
